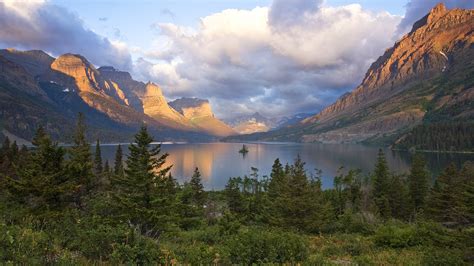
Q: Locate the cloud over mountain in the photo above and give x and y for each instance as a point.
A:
(269, 60)
(41, 25)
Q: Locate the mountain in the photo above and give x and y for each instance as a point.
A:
(253, 123)
(199, 113)
(37, 89)
(426, 77)
(287, 121)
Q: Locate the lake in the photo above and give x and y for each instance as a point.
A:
(219, 161)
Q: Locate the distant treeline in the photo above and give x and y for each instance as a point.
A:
(456, 136)
(66, 206)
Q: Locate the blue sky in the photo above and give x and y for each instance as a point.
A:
(132, 19)
(275, 57)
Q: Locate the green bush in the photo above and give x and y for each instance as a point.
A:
(24, 246)
(440, 257)
(358, 223)
(95, 238)
(200, 254)
(396, 236)
(137, 250)
(257, 245)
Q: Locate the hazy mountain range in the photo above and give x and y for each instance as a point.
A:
(256, 122)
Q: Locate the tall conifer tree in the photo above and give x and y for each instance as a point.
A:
(381, 185)
(145, 195)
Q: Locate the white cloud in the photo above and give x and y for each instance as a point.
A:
(41, 25)
(266, 61)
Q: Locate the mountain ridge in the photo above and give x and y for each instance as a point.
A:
(425, 73)
(68, 84)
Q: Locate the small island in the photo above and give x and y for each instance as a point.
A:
(244, 150)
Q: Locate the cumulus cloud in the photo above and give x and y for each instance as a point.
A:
(270, 61)
(41, 25)
(416, 9)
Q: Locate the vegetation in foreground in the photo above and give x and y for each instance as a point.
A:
(66, 206)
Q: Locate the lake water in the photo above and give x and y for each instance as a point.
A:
(219, 161)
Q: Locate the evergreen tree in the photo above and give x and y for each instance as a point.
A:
(80, 163)
(304, 209)
(468, 194)
(418, 182)
(198, 193)
(277, 189)
(42, 183)
(5, 147)
(381, 185)
(118, 166)
(446, 198)
(145, 195)
(192, 198)
(398, 197)
(106, 167)
(5, 163)
(14, 152)
(234, 197)
(98, 168)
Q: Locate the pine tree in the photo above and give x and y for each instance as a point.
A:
(98, 168)
(199, 195)
(234, 198)
(118, 166)
(145, 195)
(445, 202)
(398, 197)
(5, 163)
(80, 163)
(380, 186)
(418, 183)
(305, 209)
(277, 189)
(5, 147)
(192, 199)
(106, 167)
(42, 183)
(14, 152)
(468, 194)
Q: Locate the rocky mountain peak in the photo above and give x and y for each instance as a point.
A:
(426, 52)
(77, 67)
(36, 62)
(192, 107)
(153, 90)
(438, 11)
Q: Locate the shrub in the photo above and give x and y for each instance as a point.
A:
(396, 236)
(443, 257)
(138, 250)
(24, 246)
(257, 245)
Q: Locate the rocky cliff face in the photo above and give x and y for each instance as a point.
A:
(200, 114)
(131, 89)
(111, 99)
(427, 51)
(427, 76)
(156, 106)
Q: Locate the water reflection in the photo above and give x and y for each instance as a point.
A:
(219, 161)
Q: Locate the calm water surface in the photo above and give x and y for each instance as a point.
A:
(219, 161)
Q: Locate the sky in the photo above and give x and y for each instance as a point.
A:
(276, 57)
